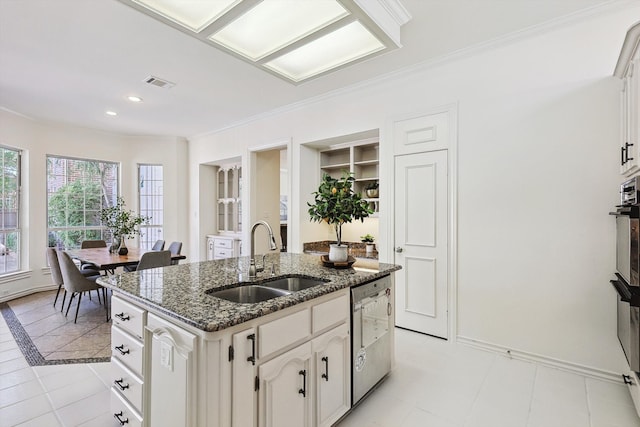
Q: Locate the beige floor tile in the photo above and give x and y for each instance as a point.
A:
(79, 354)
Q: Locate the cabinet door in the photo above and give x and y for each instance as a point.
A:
(243, 373)
(285, 393)
(172, 383)
(331, 354)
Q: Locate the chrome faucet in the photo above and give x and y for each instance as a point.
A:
(253, 270)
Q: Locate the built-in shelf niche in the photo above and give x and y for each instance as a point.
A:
(229, 196)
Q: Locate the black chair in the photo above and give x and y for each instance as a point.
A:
(175, 248)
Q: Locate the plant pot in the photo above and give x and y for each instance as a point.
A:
(338, 253)
(123, 250)
(370, 247)
(373, 193)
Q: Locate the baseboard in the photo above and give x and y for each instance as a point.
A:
(25, 292)
(576, 368)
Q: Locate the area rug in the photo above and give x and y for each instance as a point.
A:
(48, 337)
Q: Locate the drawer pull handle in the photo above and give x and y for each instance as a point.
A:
(627, 379)
(303, 390)
(326, 368)
(121, 349)
(120, 384)
(252, 358)
(123, 317)
(120, 420)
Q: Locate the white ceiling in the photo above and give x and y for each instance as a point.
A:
(69, 61)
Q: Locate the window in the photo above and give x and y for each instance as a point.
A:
(76, 191)
(151, 202)
(9, 210)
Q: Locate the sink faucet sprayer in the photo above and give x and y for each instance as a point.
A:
(272, 245)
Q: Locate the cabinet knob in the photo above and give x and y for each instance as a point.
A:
(399, 249)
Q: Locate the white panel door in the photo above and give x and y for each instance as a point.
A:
(421, 241)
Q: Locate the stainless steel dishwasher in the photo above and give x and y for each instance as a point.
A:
(371, 321)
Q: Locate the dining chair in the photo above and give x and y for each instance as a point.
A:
(154, 259)
(175, 248)
(76, 283)
(158, 245)
(89, 268)
(56, 275)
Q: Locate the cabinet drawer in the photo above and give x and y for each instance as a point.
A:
(127, 350)
(128, 317)
(222, 253)
(223, 243)
(330, 313)
(127, 384)
(281, 333)
(633, 383)
(123, 411)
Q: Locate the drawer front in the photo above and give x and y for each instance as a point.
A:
(633, 382)
(128, 317)
(127, 384)
(281, 333)
(330, 313)
(122, 411)
(223, 243)
(127, 350)
(222, 253)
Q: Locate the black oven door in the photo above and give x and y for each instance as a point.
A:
(628, 244)
(628, 322)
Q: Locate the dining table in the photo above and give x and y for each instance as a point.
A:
(107, 261)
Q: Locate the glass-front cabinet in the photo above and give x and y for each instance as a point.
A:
(229, 185)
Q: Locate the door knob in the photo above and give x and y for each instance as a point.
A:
(398, 249)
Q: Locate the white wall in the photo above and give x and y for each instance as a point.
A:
(537, 174)
(40, 139)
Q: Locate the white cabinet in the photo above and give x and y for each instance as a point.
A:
(172, 363)
(229, 198)
(360, 158)
(222, 247)
(243, 374)
(127, 361)
(331, 355)
(628, 70)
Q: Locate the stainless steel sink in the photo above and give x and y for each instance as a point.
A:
(249, 294)
(293, 284)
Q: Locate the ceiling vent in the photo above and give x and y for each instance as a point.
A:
(155, 81)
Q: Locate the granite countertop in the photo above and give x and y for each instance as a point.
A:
(179, 291)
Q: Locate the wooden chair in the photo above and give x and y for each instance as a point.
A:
(76, 283)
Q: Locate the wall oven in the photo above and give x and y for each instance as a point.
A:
(627, 282)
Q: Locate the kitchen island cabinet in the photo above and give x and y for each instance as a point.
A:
(210, 362)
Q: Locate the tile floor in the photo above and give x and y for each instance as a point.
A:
(55, 335)
(434, 384)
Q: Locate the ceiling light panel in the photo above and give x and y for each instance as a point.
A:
(274, 24)
(192, 14)
(333, 50)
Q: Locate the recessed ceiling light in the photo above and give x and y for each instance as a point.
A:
(134, 98)
(111, 113)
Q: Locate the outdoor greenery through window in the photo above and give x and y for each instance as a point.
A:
(76, 191)
(9, 210)
(150, 189)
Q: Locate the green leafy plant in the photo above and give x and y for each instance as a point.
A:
(367, 238)
(372, 186)
(122, 222)
(336, 203)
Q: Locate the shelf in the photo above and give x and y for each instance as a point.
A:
(336, 166)
(367, 179)
(366, 163)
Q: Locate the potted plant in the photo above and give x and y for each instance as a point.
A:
(372, 189)
(336, 203)
(368, 239)
(123, 224)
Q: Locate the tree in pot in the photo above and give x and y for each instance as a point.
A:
(122, 223)
(336, 203)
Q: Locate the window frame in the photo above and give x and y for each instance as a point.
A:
(18, 207)
(144, 242)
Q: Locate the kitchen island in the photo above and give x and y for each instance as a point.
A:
(182, 357)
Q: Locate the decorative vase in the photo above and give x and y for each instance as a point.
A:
(123, 247)
(373, 192)
(115, 245)
(370, 247)
(338, 253)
